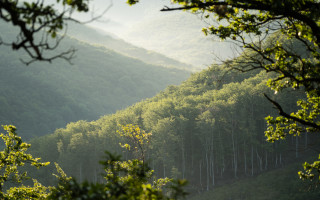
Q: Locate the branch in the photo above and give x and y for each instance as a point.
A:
(286, 11)
(38, 19)
(284, 114)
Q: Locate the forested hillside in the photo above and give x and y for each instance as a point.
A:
(44, 96)
(232, 135)
(209, 130)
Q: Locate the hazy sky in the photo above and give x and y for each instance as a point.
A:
(176, 34)
(121, 16)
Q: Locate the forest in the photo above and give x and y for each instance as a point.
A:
(114, 126)
(100, 81)
(191, 134)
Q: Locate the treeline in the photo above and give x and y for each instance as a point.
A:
(42, 97)
(209, 130)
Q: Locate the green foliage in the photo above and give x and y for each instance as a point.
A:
(123, 180)
(282, 37)
(209, 130)
(277, 184)
(310, 170)
(129, 179)
(137, 140)
(182, 119)
(36, 20)
(12, 158)
(132, 2)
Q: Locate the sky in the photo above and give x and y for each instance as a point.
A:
(121, 17)
(176, 34)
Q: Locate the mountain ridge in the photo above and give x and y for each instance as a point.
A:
(42, 97)
(121, 46)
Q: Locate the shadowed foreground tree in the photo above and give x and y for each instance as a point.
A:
(123, 180)
(131, 179)
(278, 36)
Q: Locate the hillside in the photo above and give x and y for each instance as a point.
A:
(42, 97)
(209, 130)
(100, 38)
(179, 36)
(281, 183)
(176, 34)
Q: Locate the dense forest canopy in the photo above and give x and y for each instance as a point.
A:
(293, 55)
(210, 130)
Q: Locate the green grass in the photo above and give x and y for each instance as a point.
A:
(279, 184)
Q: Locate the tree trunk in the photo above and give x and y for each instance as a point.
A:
(266, 164)
(252, 161)
(80, 173)
(234, 148)
(259, 159)
(183, 161)
(200, 174)
(245, 157)
(208, 175)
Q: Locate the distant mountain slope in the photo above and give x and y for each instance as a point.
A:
(178, 35)
(42, 97)
(100, 38)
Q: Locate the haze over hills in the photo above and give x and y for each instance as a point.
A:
(218, 129)
(42, 97)
(101, 38)
(174, 34)
(179, 36)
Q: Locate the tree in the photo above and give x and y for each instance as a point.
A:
(123, 180)
(137, 139)
(280, 37)
(131, 179)
(40, 25)
(12, 158)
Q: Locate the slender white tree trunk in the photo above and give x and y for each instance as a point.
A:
(252, 161)
(208, 175)
(259, 159)
(245, 157)
(234, 148)
(200, 174)
(212, 159)
(80, 173)
(266, 163)
(183, 161)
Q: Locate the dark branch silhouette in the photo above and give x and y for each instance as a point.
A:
(42, 27)
(284, 114)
